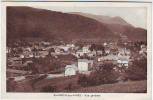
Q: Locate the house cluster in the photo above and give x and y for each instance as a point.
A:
(87, 55)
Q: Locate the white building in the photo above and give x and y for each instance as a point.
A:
(43, 53)
(8, 50)
(92, 53)
(105, 44)
(21, 56)
(65, 48)
(99, 52)
(19, 78)
(70, 70)
(123, 61)
(143, 50)
(46, 43)
(107, 51)
(70, 45)
(28, 54)
(28, 49)
(57, 51)
(83, 65)
(85, 49)
(124, 51)
(79, 53)
(108, 58)
(143, 46)
(31, 55)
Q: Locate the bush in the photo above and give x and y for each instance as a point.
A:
(69, 87)
(49, 89)
(10, 85)
(83, 80)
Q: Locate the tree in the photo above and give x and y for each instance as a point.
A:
(51, 50)
(97, 47)
(32, 67)
(138, 70)
(46, 64)
(11, 85)
(103, 74)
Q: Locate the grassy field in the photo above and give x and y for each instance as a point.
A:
(70, 84)
(124, 87)
(60, 83)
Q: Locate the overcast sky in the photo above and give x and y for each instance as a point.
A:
(133, 15)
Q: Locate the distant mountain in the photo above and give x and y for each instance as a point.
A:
(30, 22)
(104, 19)
(118, 26)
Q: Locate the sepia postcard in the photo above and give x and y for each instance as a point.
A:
(78, 50)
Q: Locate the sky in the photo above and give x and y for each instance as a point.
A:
(133, 15)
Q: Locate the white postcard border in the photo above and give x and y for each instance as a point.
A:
(51, 96)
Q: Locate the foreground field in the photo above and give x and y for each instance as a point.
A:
(70, 85)
(124, 87)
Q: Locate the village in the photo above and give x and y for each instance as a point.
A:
(63, 61)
